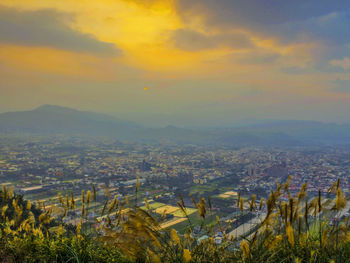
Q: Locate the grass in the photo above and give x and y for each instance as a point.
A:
(127, 233)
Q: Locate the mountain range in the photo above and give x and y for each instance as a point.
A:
(57, 120)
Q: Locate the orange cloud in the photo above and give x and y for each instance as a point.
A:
(55, 61)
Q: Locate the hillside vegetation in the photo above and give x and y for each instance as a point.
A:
(296, 230)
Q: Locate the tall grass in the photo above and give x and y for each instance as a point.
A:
(297, 230)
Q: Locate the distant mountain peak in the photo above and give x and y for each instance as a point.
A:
(53, 108)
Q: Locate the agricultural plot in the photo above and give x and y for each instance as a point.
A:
(228, 194)
(159, 208)
(200, 189)
(156, 205)
(168, 209)
(180, 213)
(152, 206)
(172, 222)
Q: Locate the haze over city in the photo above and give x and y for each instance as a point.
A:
(177, 62)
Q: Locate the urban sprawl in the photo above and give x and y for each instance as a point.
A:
(42, 169)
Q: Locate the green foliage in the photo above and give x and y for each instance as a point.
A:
(55, 248)
(292, 231)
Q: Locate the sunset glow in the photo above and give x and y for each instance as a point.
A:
(201, 59)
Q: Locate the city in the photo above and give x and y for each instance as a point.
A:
(44, 168)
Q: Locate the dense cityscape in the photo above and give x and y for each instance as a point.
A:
(43, 168)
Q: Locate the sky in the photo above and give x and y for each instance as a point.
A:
(179, 62)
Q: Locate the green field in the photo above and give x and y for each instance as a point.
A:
(154, 205)
(195, 220)
(179, 213)
(201, 188)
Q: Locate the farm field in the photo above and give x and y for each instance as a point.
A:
(228, 194)
(168, 209)
(172, 222)
(179, 213)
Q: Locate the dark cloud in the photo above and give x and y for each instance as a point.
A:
(193, 40)
(332, 28)
(288, 20)
(48, 28)
(265, 12)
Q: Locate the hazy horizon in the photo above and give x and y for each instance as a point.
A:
(146, 122)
